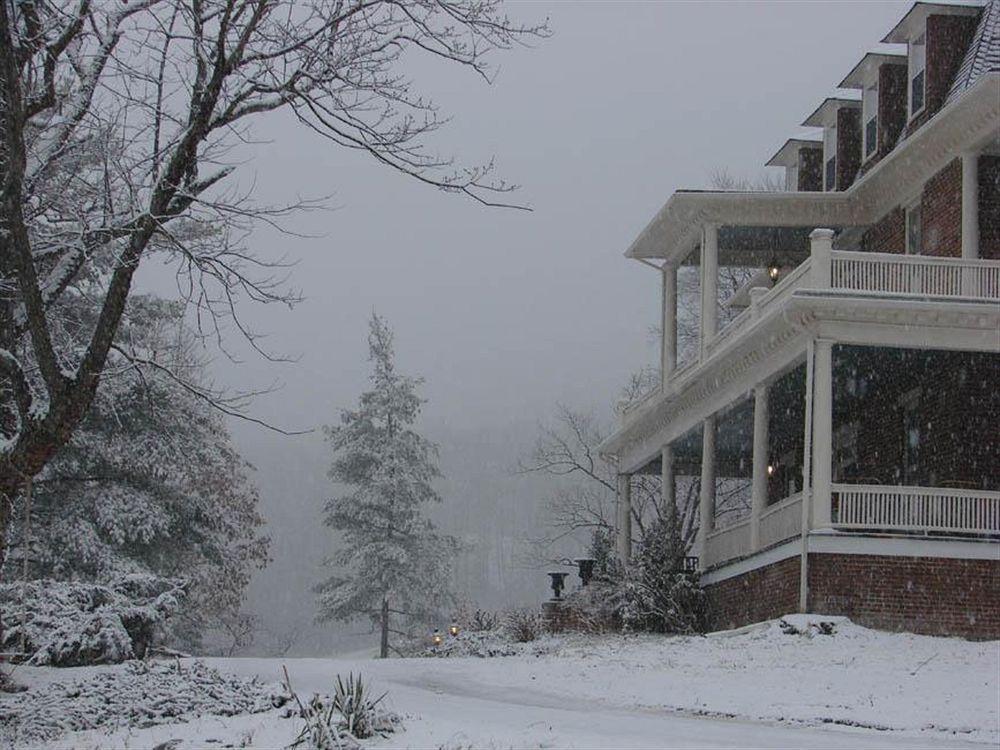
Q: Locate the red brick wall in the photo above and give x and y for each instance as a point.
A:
(958, 406)
(941, 212)
(892, 84)
(848, 146)
(761, 594)
(948, 38)
(887, 235)
(989, 207)
(810, 169)
(932, 595)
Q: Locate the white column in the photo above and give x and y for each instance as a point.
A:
(970, 206)
(758, 492)
(624, 517)
(820, 248)
(668, 491)
(707, 496)
(709, 285)
(669, 340)
(822, 442)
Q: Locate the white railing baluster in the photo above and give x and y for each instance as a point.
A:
(917, 509)
(915, 274)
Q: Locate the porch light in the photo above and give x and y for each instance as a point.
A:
(453, 630)
(770, 470)
(773, 272)
(436, 638)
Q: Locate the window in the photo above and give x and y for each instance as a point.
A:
(869, 106)
(830, 158)
(913, 229)
(918, 73)
(912, 433)
(792, 178)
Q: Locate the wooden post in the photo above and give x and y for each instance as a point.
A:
(758, 492)
(707, 495)
(709, 285)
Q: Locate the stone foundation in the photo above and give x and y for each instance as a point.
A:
(930, 595)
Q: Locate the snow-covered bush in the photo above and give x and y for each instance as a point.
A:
(136, 694)
(653, 593)
(524, 625)
(351, 714)
(64, 624)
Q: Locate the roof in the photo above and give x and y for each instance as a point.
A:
(788, 154)
(983, 55)
(872, 60)
(969, 122)
(821, 116)
(915, 18)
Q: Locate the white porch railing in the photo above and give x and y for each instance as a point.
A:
(727, 544)
(915, 274)
(781, 521)
(797, 278)
(916, 509)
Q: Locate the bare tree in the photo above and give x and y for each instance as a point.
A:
(584, 498)
(119, 124)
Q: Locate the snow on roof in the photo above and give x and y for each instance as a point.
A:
(917, 15)
(983, 55)
(824, 111)
(788, 154)
(856, 78)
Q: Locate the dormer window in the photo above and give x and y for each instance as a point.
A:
(830, 158)
(918, 74)
(869, 110)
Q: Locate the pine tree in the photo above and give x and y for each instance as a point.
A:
(392, 561)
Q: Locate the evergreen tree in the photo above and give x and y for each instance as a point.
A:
(156, 485)
(392, 561)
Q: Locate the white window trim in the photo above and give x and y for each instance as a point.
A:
(912, 71)
(915, 204)
(866, 116)
(830, 140)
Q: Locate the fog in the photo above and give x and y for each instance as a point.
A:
(504, 312)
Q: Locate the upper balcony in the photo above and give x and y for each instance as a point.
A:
(724, 317)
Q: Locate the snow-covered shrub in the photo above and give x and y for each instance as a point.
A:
(653, 593)
(351, 714)
(524, 624)
(135, 694)
(468, 617)
(64, 624)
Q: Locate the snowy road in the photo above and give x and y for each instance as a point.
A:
(754, 688)
(451, 704)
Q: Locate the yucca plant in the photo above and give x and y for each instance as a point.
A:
(362, 716)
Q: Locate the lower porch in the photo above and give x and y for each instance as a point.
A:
(902, 442)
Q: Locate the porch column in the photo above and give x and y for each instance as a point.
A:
(707, 495)
(970, 206)
(668, 491)
(822, 442)
(624, 517)
(669, 340)
(709, 285)
(758, 491)
(820, 249)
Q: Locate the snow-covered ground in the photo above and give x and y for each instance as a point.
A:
(758, 687)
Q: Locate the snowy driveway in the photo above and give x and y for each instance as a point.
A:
(454, 704)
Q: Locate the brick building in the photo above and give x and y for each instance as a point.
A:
(838, 416)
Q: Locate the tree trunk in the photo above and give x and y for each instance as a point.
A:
(384, 646)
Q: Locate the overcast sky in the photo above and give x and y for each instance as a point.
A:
(506, 312)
